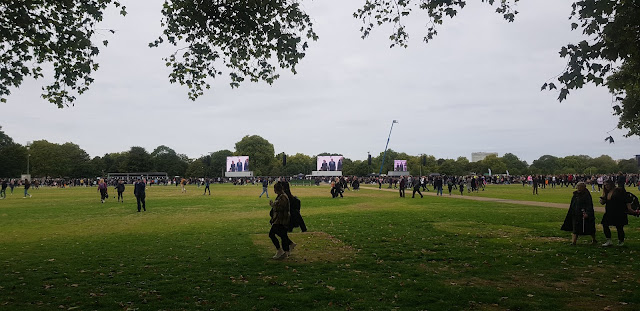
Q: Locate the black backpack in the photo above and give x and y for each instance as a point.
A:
(635, 204)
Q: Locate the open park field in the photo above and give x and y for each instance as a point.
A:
(64, 250)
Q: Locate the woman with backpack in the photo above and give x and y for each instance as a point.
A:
(280, 216)
(616, 205)
(295, 220)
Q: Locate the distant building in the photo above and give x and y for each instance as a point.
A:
(479, 156)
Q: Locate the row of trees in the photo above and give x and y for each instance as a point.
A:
(48, 159)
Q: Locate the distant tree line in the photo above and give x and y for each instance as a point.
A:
(68, 160)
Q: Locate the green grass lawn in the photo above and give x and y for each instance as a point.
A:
(520, 193)
(64, 250)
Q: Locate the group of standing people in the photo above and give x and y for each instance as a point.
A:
(139, 191)
(580, 219)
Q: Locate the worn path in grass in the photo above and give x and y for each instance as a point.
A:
(485, 199)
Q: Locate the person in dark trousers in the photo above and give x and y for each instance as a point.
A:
(450, 185)
(206, 186)
(140, 194)
(616, 206)
(535, 185)
(437, 184)
(102, 188)
(461, 186)
(416, 188)
(3, 190)
(280, 217)
(337, 188)
(120, 190)
(424, 182)
(403, 184)
(12, 185)
(295, 220)
(265, 187)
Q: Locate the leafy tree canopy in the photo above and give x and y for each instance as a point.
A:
(5, 140)
(57, 33)
(251, 38)
(609, 54)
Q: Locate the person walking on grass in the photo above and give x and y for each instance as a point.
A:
(403, 185)
(27, 185)
(280, 217)
(461, 186)
(183, 183)
(12, 185)
(416, 188)
(437, 184)
(535, 185)
(207, 181)
(580, 219)
(139, 191)
(102, 188)
(3, 190)
(265, 187)
(120, 190)
(616, 206)
(295, 220)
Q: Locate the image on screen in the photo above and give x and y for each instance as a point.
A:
(400, 165)
(330, 163)
(238, 164)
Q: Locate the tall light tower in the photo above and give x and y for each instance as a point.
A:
(385, 148)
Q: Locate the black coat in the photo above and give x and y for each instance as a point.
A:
(139, 189)
(296, 219)
(581, 203)
(615, 209)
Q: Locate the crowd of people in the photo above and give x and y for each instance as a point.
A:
(285, 208)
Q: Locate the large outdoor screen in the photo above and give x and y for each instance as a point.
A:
(330, 163)
(400, 165)
(238, 164)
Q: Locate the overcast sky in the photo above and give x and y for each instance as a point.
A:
(476, 87)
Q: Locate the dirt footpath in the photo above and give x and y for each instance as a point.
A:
(497, 200)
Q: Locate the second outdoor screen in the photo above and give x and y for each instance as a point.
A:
(330, 163)
(400, 165)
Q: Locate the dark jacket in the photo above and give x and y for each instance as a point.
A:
(438, 183)
(615, 209)
(296, 218)
(139, 189)
(120, 187)
(416, 184)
